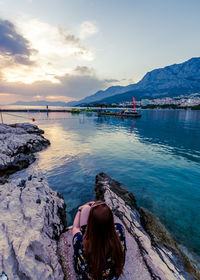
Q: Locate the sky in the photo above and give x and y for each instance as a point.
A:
(61, 50)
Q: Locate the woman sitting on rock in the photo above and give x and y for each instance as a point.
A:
(99, 244)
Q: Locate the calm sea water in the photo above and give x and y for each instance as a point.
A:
(157, 157)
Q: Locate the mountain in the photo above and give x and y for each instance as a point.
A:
(99, 95)
(173, 80)
(40, 103)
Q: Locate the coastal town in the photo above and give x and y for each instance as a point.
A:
(180, 101)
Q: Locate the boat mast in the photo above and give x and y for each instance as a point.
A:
(133, 99)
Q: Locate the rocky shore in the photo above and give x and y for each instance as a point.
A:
(32, 217)
(34, 241)
(19, 142)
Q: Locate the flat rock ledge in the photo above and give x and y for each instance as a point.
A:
(151, 254)
(18, 143)
(32, 217)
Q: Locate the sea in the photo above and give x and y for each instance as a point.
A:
(156, 156)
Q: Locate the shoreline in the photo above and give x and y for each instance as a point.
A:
(28, 109)
(159, 234)
(144, 213)
(19, 144)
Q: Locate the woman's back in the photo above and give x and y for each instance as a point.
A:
(99, 247)
(81, 261)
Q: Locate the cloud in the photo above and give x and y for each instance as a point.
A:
(42, 61)
(111, 80)
(87, 29)
(81, 86)
(68, 37)
(44, 51)
(70, 87)
(51, 41)
(14, 45)
(84, 70)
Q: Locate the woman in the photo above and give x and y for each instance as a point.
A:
(99, 244)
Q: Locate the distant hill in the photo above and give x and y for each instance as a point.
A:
(40, 103)
(173, 80)
(99, 95)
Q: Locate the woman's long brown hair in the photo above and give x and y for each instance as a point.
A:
(102, 241)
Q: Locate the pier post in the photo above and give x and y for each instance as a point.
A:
(1, 117)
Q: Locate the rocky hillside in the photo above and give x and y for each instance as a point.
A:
(172, 80)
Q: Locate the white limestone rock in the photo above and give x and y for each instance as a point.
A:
(32, 217)
(18, 143)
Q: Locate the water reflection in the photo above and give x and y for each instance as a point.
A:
(176, 132)
(63, 147)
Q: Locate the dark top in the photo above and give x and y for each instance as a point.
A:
(80, 264)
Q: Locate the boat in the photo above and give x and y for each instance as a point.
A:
(130, 114)
(106, 113)
(126, 113)
(75, 111)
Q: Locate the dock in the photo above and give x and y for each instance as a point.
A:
(122, 114)
(40, 110)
